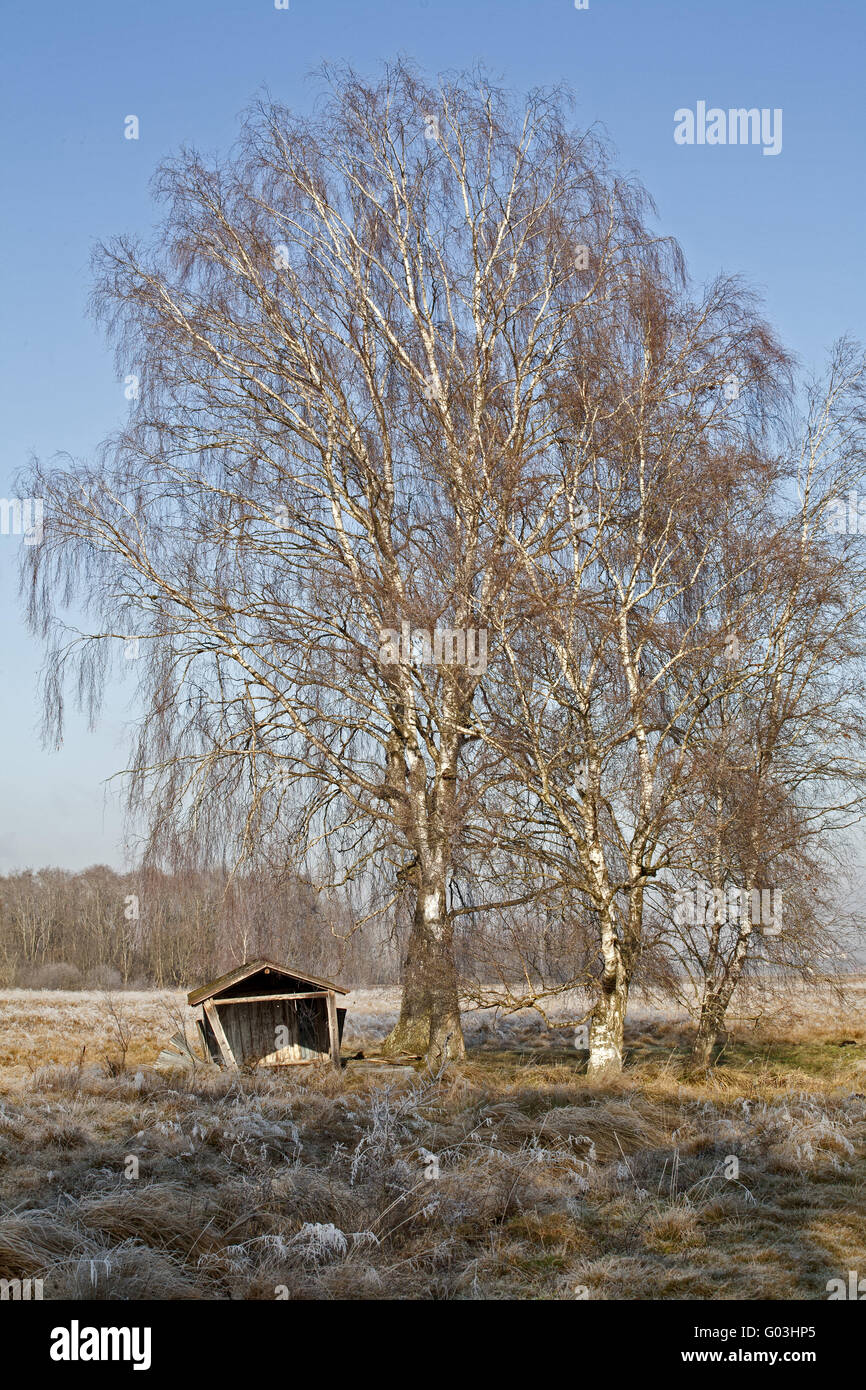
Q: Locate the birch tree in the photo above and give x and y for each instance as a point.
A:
(598, 710)
(351, 339)
(779, 757)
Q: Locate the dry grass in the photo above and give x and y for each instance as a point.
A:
(511, 1177)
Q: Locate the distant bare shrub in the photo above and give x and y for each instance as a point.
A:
(103, 977)
(54, 975)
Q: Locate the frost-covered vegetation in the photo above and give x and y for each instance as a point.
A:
(512, 1175)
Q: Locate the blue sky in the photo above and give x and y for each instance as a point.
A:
(792, 225)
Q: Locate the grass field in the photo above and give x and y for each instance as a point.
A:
(513, 1176)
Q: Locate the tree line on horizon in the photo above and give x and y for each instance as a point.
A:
(96, 928)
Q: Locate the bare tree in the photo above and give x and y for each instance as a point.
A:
(778, 767)
(607, 677)
(352, 341)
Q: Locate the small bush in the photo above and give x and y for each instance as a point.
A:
(104, 977)
(53, 975)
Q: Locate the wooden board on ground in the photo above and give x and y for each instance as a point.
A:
(180, 1052)
(388, 1059)
(385, 1071)
(382, 1073)
(182, 1060)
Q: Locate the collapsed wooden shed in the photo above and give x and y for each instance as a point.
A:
(270, 1015)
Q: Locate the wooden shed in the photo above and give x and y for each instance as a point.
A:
(270, 1015)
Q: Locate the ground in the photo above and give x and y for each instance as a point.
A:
(512, 1176)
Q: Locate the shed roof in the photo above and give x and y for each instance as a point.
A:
(252, 967)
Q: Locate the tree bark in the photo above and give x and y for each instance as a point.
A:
(715, 1001)
(607, 1022)
(710, 1023)
(429, 1023)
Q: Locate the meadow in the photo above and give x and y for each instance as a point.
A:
(510, 1176)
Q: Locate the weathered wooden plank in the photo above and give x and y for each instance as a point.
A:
(270, 1019)
(267, 998)
(248, 1034)
(255, 1021)
(255, 967)
(333, 1029)
(179, 1042)
(208, 1051)
(324, 1031)
(302, 1013)
(297, 1062)
(182, 1060)
(387, 1071)
(235, 1042)
(219, 1033)
(213, 1050)
(301, 1050)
